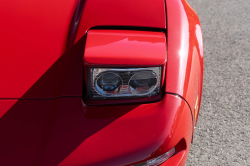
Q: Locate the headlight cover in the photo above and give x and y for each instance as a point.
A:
(115, 83)
(158, 160)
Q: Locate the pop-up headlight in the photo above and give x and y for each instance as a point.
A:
(108, 83)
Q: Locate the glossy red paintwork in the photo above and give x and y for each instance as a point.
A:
(43, 119)
(128, 13)
(33, 36)
(125, 47)
(184, 74)
(5, 105)
(65, 131)
(36, 49)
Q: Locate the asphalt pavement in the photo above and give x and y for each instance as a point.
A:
(222, 136)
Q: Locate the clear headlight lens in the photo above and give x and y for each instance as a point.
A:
(124, 82)
(108, 84)
(143, 82)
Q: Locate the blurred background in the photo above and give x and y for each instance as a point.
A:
(222, 135)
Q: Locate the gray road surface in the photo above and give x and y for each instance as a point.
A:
(223, 131)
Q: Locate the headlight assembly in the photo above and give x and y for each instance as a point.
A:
(118, 83)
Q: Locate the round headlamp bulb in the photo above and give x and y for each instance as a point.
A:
(143, 83)
(108, 84)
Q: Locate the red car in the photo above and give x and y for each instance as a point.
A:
(98, 82)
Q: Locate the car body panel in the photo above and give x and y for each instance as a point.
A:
(184, 73)
(33, 37)
(125, 48)
(65, 131)
(44, 119)
(35, 54)
(123, 13)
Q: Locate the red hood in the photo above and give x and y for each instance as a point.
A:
(33, 36)
(33, 63)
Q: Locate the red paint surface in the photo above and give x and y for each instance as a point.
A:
(184, 73)
(34, 65)
(5, 105)
(33, 55)
(139, 13)
(33, 37)
(65, 131)
(120, 47)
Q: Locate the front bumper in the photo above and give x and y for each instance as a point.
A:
(65, 131)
